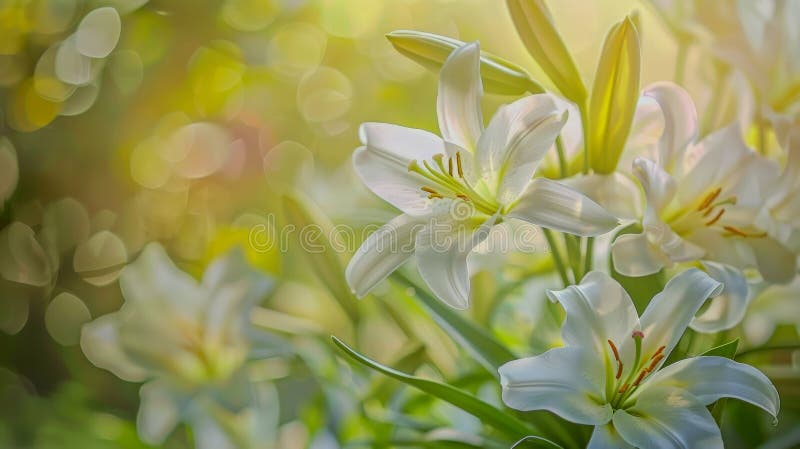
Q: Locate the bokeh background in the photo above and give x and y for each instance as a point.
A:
(186, 125)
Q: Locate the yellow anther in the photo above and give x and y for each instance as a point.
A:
(458, 165)
(710, 198)
(740, 233)
(716, 217)
(450, 166)
(429, 190)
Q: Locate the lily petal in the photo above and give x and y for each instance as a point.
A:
(720, 159)
(100, 344)
(616, 193)
(634, 255)
(514, 143)
(680, 121)
(159, 412)
(381, 253)
(442, 250)
(382, 163)
(553, 205)
(710, 378)
(154, 279)
(667, 418)
(607, 437)
(776, 263)
(659, 186)
(727, 309)
(558, 381)
(598, 309)
(235, 287)
(670, 312)
(458, 104)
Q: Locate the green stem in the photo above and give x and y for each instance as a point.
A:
(588, 259)
(557, 259)
(680, 61)
(585, 125)
(715, 102)
(562, 159)
(573, 244)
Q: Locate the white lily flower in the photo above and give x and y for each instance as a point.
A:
(780, 214)
(187, 339)
(702, 204)
(771, 306)
(610, 372)
(453, 189)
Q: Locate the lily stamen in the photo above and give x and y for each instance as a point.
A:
(734, 231)
(716, 217)
(458, 165)
(617, 358)
(709, 198)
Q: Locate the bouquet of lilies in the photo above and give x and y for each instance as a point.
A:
(594, 265)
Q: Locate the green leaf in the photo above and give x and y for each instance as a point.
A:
(538, 32)
(727, 350)
(534, 442)
(443, 443)
(409, 361)
(641, 289)
(614, 96)
(487, 413)
(431, 50)
(314, 228)
(481, 344)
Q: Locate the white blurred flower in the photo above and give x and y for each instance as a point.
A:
(189, 341)
(771, 306)
(702, 203)
(609, 373)
(453, 189)
(780, 214)
(759, 39)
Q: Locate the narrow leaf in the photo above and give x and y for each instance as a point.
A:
(314, 228)
(480, 343)
(534, 442)
(487, 413)
(538, 32)
(614, 96)
(727, 350)
(431, 50)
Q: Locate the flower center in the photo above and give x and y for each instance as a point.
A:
(709, 213)
(447, 181)
(623, 388)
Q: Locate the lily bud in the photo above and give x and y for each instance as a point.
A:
(614, 96)
(431, 50)
(538, 32)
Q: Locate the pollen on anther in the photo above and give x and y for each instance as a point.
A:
(653, 364)
(429, 190)
(617, 358)
(716, 217)
(458, 165)
(710, 198)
